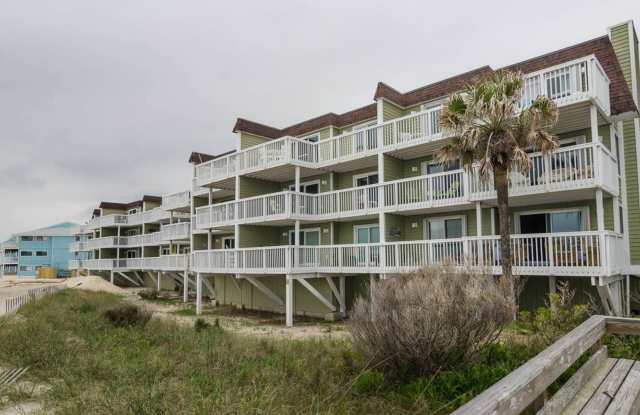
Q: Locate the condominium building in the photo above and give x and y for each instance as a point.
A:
(24, 253)
(300, 219)
(141, 243)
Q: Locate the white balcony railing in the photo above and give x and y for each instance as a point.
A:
(178, 200)
(577, 254)
(161, 263)
(569, 168)
(568, 83)
(175, 231)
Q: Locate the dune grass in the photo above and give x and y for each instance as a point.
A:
(159, 367)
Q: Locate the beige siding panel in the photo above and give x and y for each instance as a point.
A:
(345, 180)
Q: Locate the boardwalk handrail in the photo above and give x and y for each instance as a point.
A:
(519, 389)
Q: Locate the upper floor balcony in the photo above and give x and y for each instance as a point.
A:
(570, 173)
(167, 233)
(160, 263)
(180, 201)
(576, 84)
(571, 254)
(157, 215)
(8, 258)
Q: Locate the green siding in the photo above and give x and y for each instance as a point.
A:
(393, 168)
(621, 44)
(391, 111)
(249, 140)
(345, 180)
(250, 187)
(323, 178)
(252, 236)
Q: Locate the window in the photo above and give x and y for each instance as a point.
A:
(131, 232)
(132, 254)
(365, 138)
(26, 253)
(446, 228)
(433, 167)
(312, 187)
(41, 253)
(26, 268)
(313, 138)
(228, 242)
(26, 238)
(366, 234)
(165, 251)
(308, 237)
(40, 238)
(365, 179)
(133, 211)
(565, 220)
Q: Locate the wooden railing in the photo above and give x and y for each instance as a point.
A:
(579, 80)
(575, 253)
(519, 390)
(575, 167)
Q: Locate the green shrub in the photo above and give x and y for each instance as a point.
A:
(150, 294)
(200, 325)
(560, 316)
(127, 315)
(368, 382)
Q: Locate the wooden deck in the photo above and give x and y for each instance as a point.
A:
(602, 385)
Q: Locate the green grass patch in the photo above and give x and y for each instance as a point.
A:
(97, 367)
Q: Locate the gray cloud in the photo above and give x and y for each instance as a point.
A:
(105, 100)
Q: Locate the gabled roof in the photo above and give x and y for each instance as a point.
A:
(432, 91)
(331, 119)
(130, 205)
(198, 158)
(601, 47)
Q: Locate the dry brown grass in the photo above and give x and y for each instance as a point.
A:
(430, 320)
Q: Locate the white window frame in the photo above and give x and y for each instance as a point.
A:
(361, 175)
(577, 140)
(128, 251)
(165, 249)
(424, 164)
(356, 228)
(306, 230)
(309, 136)
(227, 238)
(425, 224)
(304, 185)
(586, 215)
(132, 211)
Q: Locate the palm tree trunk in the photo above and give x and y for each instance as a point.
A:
(501, 184)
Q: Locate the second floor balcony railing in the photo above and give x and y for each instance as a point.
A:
(162, 263)
(580, 80)
(576, 254)
(569, 168)
(175, 201)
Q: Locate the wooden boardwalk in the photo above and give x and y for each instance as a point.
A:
(601, 386)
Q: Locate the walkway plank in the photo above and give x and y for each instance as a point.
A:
(589, 388)
(575, 384)
(627, 400)
(609, 387)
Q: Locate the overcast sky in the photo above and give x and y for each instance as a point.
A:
(104, 100)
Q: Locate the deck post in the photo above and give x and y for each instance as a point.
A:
(159, 280)
(479, 233)
(185, 286)
(382, 220)
(343, 303)
(289, 300)
(198, 293)
(593, 120)
(111, 278)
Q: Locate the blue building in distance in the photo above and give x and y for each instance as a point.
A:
(25, 252)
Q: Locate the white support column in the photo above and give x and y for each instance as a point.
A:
(623, 177)
(159, 280)
(209, 240)
(185, 286)
(343, 303)
(296, 243)
(236, 227)
(382, 219)
(600, 210)
(198, 293)
(380, 110)
(493, 221)
(552, 284)
(297, 179)
(289, 301)
(616, 214)
(478, 219)
(593, 118)
(111, 277)
(628, 296)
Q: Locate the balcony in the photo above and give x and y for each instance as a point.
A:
(570, 254)
(161, 263)
(577, 84)
(180, 201)
(171, 232)
(570, 172)
(8, 259)
(149, 216)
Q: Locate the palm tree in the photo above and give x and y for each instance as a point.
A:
(492, 133)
